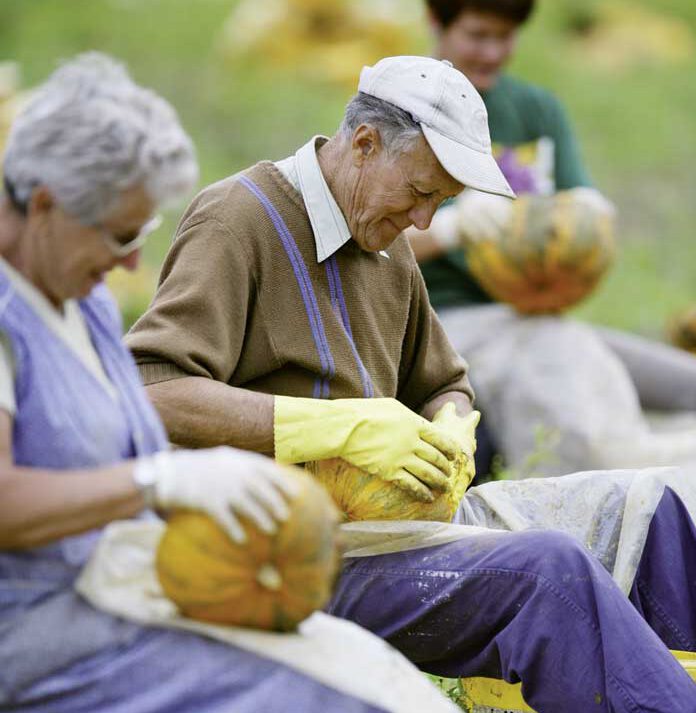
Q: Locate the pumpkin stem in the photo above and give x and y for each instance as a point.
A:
(269, 577)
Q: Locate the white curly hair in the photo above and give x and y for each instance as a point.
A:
(89, 133)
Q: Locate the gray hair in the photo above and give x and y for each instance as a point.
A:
(397, 128)
(90, 133)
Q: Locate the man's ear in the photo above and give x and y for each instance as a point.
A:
(366, 143)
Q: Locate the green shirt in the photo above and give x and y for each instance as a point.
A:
(534, 145)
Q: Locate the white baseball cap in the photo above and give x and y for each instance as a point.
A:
(450, 112)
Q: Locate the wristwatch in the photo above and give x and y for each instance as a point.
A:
(145, 478)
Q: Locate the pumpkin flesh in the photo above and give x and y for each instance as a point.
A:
(361, 496)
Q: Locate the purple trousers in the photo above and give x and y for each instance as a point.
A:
(536, 607)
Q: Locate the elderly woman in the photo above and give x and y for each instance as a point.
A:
(87, 163)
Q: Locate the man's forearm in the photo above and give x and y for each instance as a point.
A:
(201, 413)
(460, 400)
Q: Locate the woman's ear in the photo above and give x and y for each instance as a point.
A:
(41, 201)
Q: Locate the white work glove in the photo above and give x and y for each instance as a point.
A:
(225, 483)
(593, 200)
(482, 216)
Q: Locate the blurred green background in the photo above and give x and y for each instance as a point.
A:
(625, 71)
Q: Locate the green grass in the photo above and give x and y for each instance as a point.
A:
(450, 687)
(637, 125)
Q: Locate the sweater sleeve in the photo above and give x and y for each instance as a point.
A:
(430, 366)
(196, 323)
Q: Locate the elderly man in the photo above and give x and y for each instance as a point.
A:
(291, 317)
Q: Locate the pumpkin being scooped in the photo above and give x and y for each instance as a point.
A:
(270, 582)
(552, 255)
(361, 496)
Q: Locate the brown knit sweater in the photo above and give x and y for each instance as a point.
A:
(241, 303)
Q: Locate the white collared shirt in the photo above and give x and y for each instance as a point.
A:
(303, 172)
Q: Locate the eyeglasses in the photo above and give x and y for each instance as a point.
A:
(121, 248)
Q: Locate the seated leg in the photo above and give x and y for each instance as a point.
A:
(152, 670)
(664, 376)
(664, 589)
(531, 606)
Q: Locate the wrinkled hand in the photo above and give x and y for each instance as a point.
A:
(225, 483)
(381, 436)
(482, 216)
(463, 430)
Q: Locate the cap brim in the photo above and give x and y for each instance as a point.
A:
(473, 169)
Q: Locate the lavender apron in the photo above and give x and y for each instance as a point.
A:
(57, 653)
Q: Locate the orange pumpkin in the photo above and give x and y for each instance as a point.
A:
(361, 496)
(269, 582)
(682, 330)
(552, 256)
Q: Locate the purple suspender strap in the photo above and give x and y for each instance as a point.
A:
(339, 304)
(328, 369)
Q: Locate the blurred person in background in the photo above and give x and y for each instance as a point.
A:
(87, 164)
(537, 151)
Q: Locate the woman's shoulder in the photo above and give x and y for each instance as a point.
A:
(106, 306)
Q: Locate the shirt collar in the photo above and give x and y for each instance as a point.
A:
(35, 298)
(328, 224)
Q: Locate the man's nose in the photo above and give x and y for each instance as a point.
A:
(422, 214)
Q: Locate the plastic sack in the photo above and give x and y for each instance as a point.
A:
(379, 537)
(120, 579)
(608, 511)
(555, 376)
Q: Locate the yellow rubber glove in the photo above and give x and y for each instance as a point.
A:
(380, 436)
(462, 429)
